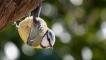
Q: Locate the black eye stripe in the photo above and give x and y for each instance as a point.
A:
(49, 40)
(51, 35)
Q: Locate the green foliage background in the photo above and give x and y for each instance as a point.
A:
(85, 25)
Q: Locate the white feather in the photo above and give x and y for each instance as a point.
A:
(45, 42)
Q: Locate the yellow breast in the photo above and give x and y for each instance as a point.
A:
(24, 30)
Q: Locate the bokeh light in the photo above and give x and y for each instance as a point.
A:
(103, 28)
(49, 10)
(79, 29)
(11, 51)
(63, 1)
(68, 57)
(79, 12)
(58, 29)
(79, 26)
(86, 53)
(101, 34)
(65, 37)
(27, 50)
(76, 2)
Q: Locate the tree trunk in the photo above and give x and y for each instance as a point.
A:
(13, 10)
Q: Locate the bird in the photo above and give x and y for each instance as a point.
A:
(34, 31)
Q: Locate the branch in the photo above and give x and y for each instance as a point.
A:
(13, 10)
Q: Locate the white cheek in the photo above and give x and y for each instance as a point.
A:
(45, 42)
(52, 42)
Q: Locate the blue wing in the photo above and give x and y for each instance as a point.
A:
(35, 24)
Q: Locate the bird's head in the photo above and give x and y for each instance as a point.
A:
(48, 39)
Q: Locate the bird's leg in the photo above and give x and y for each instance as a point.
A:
(36, 12)
(15, 23)
(29, 15)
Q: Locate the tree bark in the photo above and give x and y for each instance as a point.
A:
(13, 10)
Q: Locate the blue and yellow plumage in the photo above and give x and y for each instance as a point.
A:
(34, 31)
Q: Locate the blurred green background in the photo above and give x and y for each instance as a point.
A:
(80, 28)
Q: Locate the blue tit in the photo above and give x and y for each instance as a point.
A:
(34, 31)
